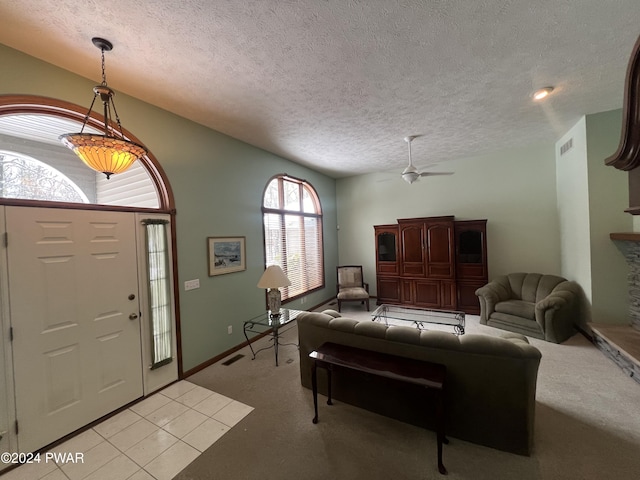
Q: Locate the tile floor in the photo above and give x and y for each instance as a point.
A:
(154, 439)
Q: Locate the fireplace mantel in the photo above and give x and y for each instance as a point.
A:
(625, 236)
(627, 157)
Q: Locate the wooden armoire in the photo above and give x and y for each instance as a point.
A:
(431, 262)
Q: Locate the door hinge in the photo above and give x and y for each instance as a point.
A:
(11, 334)
(5, 239)
(17, 430)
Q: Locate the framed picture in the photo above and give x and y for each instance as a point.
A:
(226, 255)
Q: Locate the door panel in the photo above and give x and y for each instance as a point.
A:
(388, 290)
(427, 293)
(411, 248)
(76, 352)
(448, 295)
(467, 300)
(440, 254)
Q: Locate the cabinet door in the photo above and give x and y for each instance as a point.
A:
(471, 250)
(386, 249)
(448, 295)
(467, 300)
(440, 259)
(412, 249)
(427, 293)
(388, 290)
(407, 291)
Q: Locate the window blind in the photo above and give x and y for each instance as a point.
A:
(293, 234)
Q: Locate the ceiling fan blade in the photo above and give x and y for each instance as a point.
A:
(428, 174)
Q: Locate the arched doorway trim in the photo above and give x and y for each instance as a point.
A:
(24, 104)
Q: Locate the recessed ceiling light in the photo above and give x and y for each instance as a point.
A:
(542, 93)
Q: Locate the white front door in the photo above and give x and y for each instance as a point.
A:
(74, 308)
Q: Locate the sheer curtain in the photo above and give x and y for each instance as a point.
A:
(159, 291)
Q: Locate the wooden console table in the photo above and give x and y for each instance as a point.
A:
(418, 372)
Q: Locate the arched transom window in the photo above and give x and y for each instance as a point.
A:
(292, 219)
(27, 178)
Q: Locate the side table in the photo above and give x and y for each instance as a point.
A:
(428, 375)
(272, 324)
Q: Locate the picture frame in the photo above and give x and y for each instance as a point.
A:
(226, 255)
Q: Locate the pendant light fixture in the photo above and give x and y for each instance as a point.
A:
(106, 153)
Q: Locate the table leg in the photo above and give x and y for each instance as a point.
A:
(275, 342)
(329, 370)
(244, 329)
(441, 438)
(314, 386)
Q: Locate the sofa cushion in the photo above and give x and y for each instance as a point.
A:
(547, 285)
(516, 324)
(519, 308)
(532, 287)
(352, 293)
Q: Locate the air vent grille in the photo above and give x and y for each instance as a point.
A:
(566, 147)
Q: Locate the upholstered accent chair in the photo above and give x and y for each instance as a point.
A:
(351, 285)
(540, 306)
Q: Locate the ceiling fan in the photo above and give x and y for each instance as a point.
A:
(411, 173)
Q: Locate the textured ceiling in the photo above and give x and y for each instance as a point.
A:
(337, 84)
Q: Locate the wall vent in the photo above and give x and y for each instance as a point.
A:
(566, 147)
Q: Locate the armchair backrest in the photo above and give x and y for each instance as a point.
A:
(350, 276)
(532, 287)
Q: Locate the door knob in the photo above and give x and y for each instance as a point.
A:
(132, 297)
(133, 316)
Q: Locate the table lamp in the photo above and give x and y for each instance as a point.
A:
(273, 278)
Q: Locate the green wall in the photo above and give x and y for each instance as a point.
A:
(514, 190)
(608, 198)
(217, 183)
(591, 202)
(573, 209)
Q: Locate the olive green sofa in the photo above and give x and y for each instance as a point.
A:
(533, 304)
(490, 387)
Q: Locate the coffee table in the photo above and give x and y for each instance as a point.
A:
(419, 316)
(270, 323)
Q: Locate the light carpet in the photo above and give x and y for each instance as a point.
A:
(587, 425)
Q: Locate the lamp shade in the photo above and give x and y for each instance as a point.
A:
(103, 153)
(273, 277)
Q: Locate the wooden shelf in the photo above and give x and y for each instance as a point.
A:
(626, 236)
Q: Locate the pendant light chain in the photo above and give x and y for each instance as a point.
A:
(104, 75)
(111, 104)
(108, 153)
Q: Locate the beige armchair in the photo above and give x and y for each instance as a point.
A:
(351, 285)
(541, 306)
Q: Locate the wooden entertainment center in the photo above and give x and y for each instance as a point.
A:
(432, 262)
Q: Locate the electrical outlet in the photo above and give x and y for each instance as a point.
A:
(192, 284)
(230, 329)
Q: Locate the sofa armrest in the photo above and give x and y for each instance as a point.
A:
(557, 313)
(554, 301)
(492, 293)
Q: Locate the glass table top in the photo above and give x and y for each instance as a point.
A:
(268, 319)
(419, 316)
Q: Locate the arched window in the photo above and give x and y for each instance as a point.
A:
(30, 126)
(292, 219)
(27, 178)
